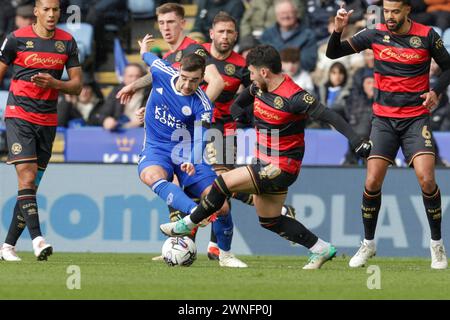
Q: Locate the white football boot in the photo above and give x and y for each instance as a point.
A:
(227, 259)
(42, 250)
(365, 252)
(438, 256)
(8, 253)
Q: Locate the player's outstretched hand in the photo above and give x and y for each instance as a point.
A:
(188, 168)
(44, 80)
(431, 100)
(341, 19)
(146, 43)
(363, 149)
(125, 94)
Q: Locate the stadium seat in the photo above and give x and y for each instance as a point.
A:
(84, 35)
(438, 30)
(141, 9)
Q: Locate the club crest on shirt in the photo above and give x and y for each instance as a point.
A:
(187, 111)
(439, 44)
(308, 99)
(30, 45)
(230, 69)
(415, 42)
(278, 103)
(200, 52)
(16, 149)
(179, 56)
(60, 47)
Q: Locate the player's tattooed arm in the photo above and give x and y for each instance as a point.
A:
(127, 92)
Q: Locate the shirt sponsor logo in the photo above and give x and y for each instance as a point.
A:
(265, 114)
(387, 53)
(48, 62)
(163, 115)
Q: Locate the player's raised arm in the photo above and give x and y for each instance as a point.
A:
(337, 48)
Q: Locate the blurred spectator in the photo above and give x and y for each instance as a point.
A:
(246, 44)
(260, 15)
(440, 12)
(208, 9)
(99, 14)
(290, 32)
(24, 16)
(335, 91)
(359, 113)
(113, 115)
(319, 12)
(369, 62)
(8, 14)
(291, 66)
(351, 62)
(77, 111)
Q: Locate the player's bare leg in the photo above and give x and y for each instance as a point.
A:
(371, 203)
(424, 166)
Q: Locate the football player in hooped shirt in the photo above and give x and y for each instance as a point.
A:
(236, 76)
(38, 53)
(281, 109)
(403, 50)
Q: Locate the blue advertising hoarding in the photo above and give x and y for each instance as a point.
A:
(105, 208)
(96, 145)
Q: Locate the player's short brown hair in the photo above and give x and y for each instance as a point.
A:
(171, 7)
(223, 16)
(193, 62)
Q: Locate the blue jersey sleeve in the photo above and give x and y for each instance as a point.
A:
(149, 58)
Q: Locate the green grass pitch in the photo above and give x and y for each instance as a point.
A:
(135, 276)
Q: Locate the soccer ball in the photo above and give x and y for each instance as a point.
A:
(179, 251)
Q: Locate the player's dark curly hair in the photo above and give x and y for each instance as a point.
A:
(193, 62)
(265, 56)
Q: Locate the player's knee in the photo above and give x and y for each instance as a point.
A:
(373, 183)
(427, 183)
(27, 178)
(150, 177)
